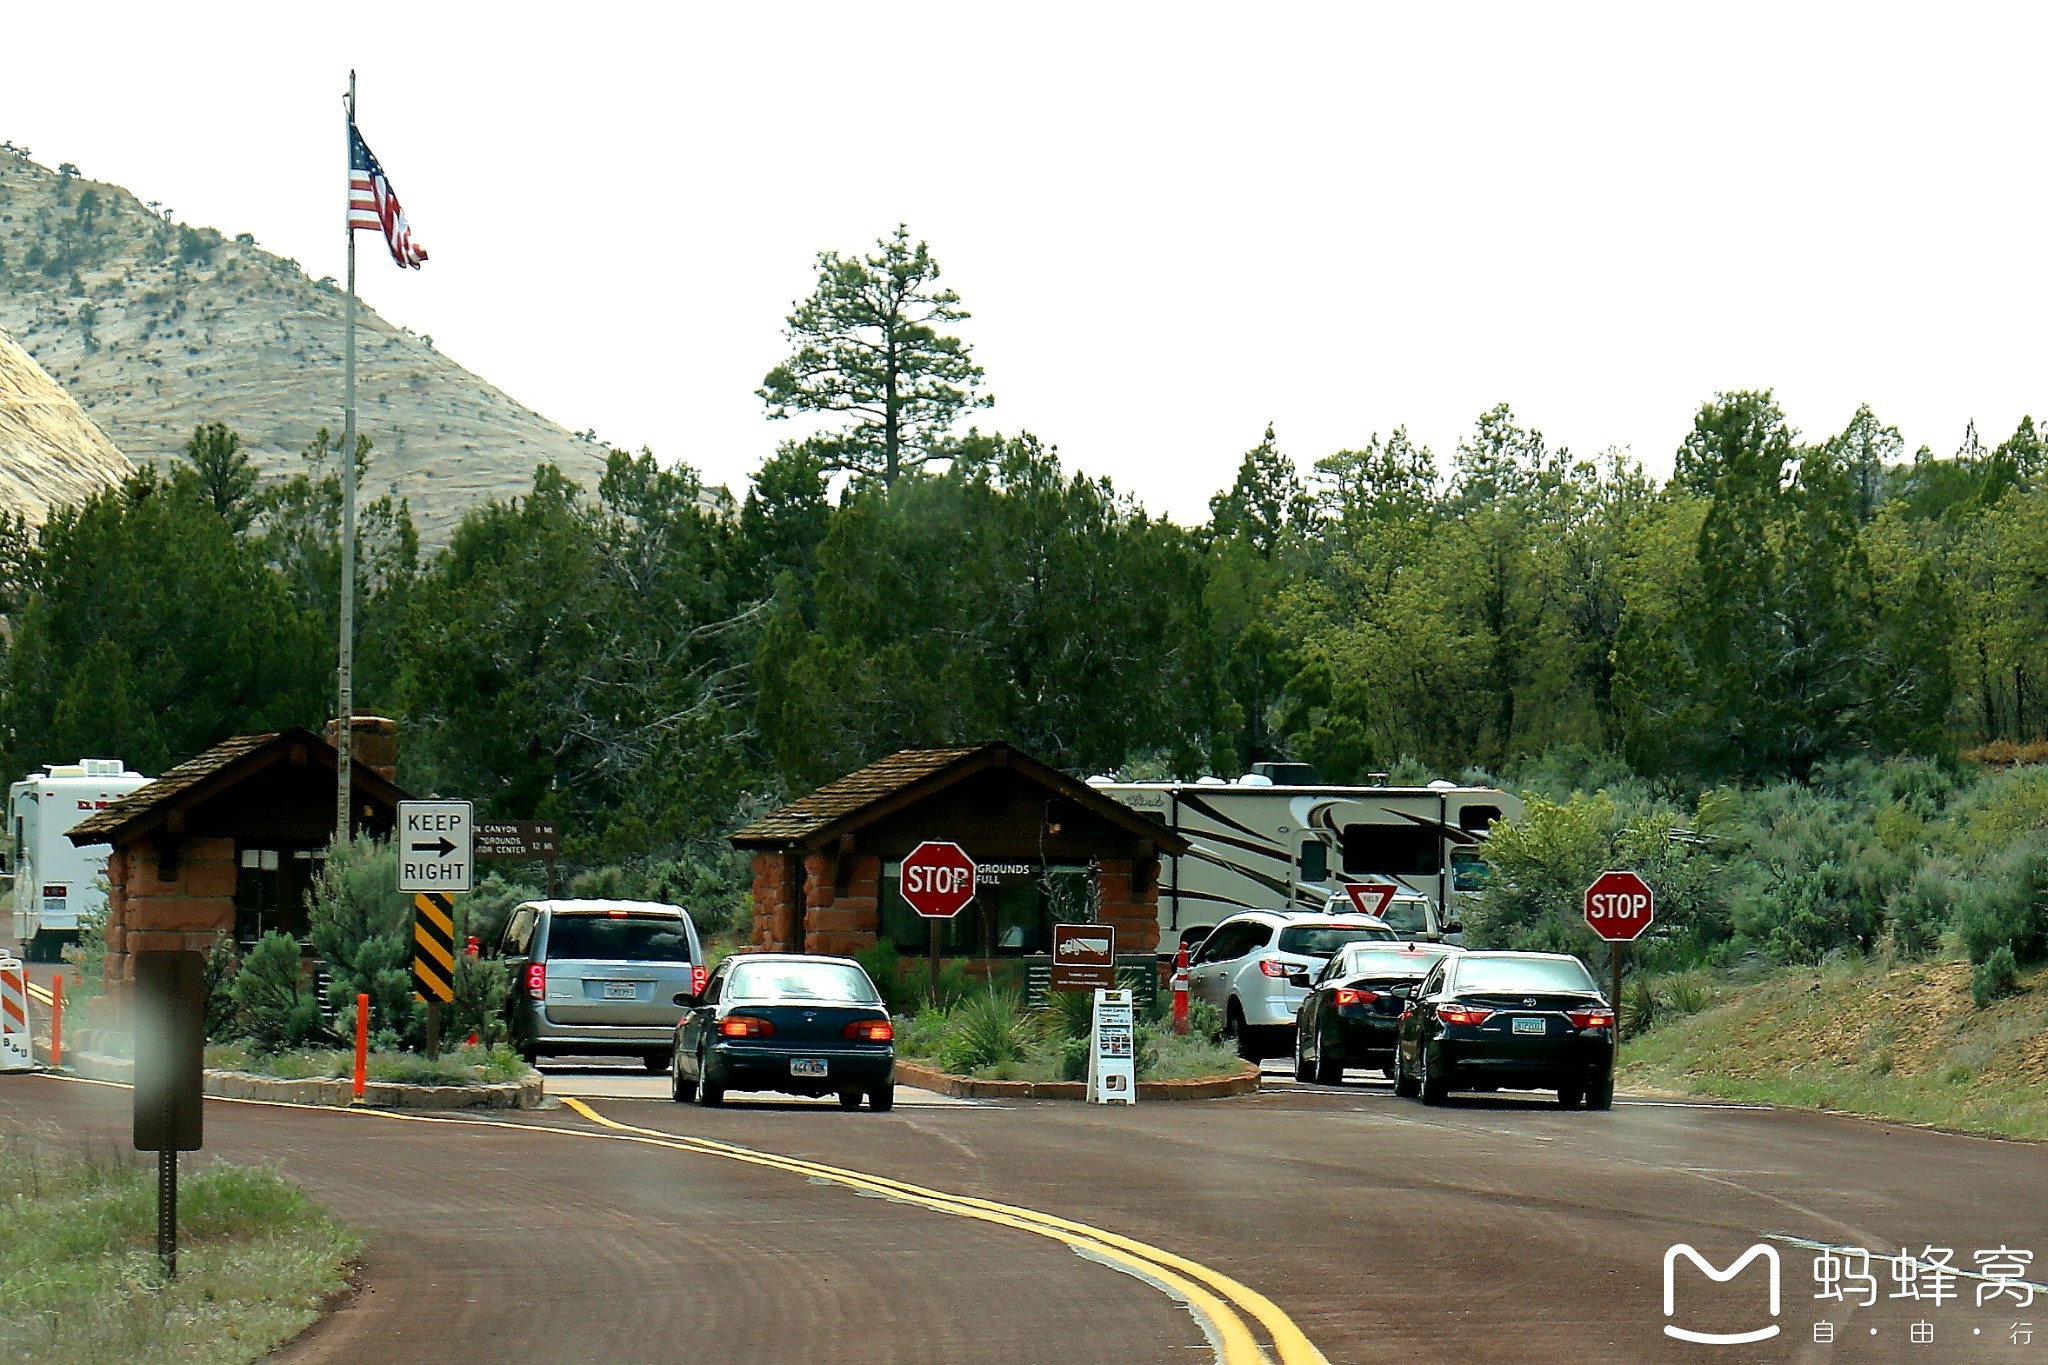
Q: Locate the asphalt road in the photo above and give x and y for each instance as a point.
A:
(1490, 1229)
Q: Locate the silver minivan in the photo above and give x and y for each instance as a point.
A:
(599, 977)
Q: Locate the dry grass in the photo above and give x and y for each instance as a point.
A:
(1900, 1042)
(80, 1282)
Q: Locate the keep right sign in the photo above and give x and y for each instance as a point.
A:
(1620, 906)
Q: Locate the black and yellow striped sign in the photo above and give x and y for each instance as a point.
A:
(433, 946)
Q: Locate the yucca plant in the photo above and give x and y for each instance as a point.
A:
(988, 1028)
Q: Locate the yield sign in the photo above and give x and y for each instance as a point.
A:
(1371, 898)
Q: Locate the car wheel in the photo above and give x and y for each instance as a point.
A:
(1304, 1070)
(655, 1061)
(1329, 1070)
(882, 1098)
(849, 1099)
(708, 1095)
(1435, 1089)
(1600, 1094)
(680, 1090)
(1568, 1098)
(1404, 1085)
(1237, 1031)
(528, 1056)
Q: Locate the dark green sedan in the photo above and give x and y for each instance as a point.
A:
(791, 1022)
(1353, 1011)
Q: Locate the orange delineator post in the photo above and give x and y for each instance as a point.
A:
(1180, 990)
(57, 1022)
(362, 1043)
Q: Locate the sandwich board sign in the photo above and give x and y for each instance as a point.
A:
(1113, 1050)
(1083, 957)
(436, 843)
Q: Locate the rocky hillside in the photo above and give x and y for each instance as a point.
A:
(156, 327)
(51, 454)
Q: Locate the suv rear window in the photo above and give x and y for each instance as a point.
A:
(618, 940)
(1322, 940)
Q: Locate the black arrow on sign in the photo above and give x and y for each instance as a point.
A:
(443, 848)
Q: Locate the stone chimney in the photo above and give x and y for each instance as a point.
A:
(376, 744)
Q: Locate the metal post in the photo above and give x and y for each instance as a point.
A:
(345, 738)
(433, 1028)
(167, 1212)
(935, 961)
(57, 1022)
(1615, 951)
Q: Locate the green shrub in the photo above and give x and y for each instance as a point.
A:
(273, 1010)
(987, 1029)
(481, 989)
(1072, 1012)
(1997, 975)
(1920, 912)
(2005, 906)
(884, 966)
(362, 928)
(222, 965)
(1204, 1021)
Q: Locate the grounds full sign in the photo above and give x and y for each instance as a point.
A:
(938, 879)
(1620, 906)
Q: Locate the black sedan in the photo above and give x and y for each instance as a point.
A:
(783, 1021)
(1353, 1011)
(1523, 1021)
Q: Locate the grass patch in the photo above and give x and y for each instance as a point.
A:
(459, 1066)
(80, 1282)
(1902, 1042)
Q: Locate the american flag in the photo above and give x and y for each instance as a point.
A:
(372, 203)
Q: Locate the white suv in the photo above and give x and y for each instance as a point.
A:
(1243, 966)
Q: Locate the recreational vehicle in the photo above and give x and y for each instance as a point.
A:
(1272, 841)
(55, 881)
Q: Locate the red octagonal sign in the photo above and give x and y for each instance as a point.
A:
(938, 879)
(1619, 906)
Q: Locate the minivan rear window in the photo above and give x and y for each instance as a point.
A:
(1323, 940)
(605, 939)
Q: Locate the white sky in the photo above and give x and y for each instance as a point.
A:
(1172, 224)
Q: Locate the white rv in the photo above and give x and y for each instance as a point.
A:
(55, 881)
(1258, 843)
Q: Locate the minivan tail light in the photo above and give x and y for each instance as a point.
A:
(745, 1026)
(1462, 1014)
(699, 978)
(871, 1030)
(537, 980)
(1599, 1018)
(1275, 967)
(1347, 996)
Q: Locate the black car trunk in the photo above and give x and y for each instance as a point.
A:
(797, 1024)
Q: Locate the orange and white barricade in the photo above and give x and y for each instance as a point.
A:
(17, 1053)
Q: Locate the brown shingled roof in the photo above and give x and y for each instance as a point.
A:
(195, 778)
(846, 803)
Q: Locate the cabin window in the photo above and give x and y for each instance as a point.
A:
(1391, 850)
(1478, 819)
(1315, 861)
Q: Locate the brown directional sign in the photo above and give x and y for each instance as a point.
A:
(1083, 957)
(518, 840)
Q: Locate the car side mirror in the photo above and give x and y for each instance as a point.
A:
(1400, 992)
(1300, 979)
(1454, 926)
(685, 999)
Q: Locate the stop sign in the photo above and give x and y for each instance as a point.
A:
(938, 879)
(1619, 906)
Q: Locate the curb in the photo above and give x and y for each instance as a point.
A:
(1244, 1082)
(331, 1092)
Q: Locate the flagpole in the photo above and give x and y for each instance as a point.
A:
(345, 738)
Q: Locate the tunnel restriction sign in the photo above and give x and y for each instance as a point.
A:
(1620, 906)
(938, 879)
(436, 841)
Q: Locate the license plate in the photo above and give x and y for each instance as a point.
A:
(1532, 1025)
(807, 1066)
(619, 990)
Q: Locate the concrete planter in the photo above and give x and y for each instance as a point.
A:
(524, 1093)
(1242, 1082)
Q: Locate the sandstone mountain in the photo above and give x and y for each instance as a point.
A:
(155, 328)
(51, 454)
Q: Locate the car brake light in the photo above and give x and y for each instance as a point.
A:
(699, 978)
(1462, 1014)
(537, 980)
(1347, 996)
(745, 1026)
(616, 914)
(1275, 967)
(1600, 1018)
(871, 1030)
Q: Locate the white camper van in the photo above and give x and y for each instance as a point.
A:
(55, 881)
(1270, 841)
